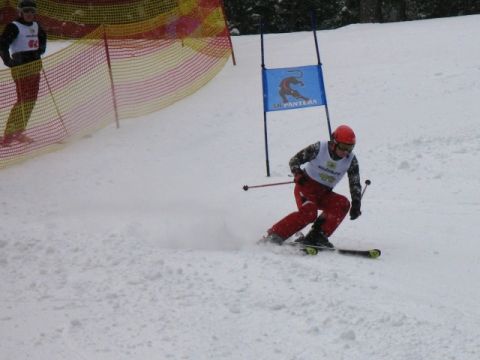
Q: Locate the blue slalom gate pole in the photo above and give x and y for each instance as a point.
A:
(314, 29)
(263, 93)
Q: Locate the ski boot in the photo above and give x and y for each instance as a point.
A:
(272, 238)
(315, 236)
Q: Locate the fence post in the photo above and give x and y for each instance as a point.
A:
(222, 6)
(112, 84)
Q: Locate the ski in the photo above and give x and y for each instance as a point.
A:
(314, 250)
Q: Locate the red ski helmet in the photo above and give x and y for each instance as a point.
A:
(344, 135)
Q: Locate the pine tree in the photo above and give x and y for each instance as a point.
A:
(291, 15)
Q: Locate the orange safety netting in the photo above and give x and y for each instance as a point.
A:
(115, 72)
(77, 18)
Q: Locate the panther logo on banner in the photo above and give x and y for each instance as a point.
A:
(293, 88)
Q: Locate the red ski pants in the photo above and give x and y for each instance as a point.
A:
(310, 198)
(27, 82)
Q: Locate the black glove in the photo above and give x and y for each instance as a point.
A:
(355, 210)
(7, 60)
(299, 177)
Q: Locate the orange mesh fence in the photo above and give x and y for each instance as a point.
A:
(114, 73)
(77, 18)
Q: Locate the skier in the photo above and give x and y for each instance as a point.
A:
(326, 163)
(26, 41)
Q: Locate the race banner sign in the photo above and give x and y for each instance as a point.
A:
(293, 88)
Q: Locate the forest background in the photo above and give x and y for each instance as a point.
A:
(289, 16)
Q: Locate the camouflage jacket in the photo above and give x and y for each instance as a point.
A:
(311, 152)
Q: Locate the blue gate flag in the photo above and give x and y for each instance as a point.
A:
(293, 88)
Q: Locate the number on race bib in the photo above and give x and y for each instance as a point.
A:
(327, 178)
(33, 44)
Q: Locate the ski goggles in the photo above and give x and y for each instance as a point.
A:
(345, 147)
(29, 10)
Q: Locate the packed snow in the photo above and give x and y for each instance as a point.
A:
(139, 243)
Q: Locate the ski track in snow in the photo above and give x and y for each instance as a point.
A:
(338, 307)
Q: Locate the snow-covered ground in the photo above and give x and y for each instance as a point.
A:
(139, 243)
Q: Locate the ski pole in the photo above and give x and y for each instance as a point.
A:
(367, 182)
(246, 187)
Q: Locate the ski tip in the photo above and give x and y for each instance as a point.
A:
(310, 250)
(375, 253)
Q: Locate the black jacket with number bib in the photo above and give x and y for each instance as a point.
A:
(9, 35)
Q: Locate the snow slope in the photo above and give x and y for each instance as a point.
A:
(139, 243)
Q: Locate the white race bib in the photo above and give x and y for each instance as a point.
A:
(325, 170)
(27, 39)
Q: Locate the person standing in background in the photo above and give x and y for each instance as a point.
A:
(23, 42)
